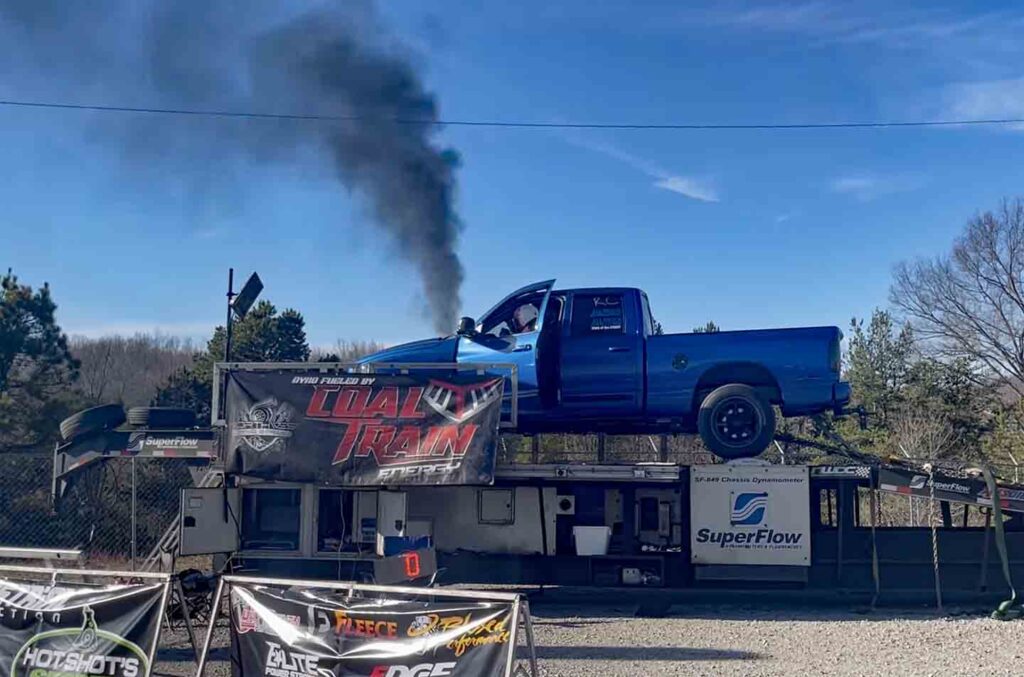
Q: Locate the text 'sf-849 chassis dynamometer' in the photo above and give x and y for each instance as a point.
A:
(589, 360)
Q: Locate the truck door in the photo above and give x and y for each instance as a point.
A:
(602, 354)
(501, 337)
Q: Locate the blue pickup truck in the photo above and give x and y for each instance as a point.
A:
(590, 360)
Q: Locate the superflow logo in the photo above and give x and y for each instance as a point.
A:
(748, 509)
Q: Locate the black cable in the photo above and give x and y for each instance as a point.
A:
(514, 123)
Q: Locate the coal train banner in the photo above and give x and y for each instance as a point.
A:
(291, 628)
(363, 429)
(66, 629)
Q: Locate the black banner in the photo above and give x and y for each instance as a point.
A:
(309, 632)
(368, 429)
(70, 630)
(971, 490)
(917, 483)
(142, 444)
(1010, 499)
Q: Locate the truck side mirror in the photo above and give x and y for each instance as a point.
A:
(467, 327)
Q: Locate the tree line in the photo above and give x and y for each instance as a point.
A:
(939, 371)
(46, 376)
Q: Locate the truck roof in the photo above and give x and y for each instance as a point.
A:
(597, 290)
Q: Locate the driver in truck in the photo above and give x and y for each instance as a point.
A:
(524, 319)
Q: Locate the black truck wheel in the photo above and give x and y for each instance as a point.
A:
(93, 420)
(161, 417)
(735, 421)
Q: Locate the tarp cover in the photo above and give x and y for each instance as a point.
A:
(368, 429)
(295, 632)
(67, 629)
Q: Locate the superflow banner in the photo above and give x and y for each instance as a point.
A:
(749, 514)
(67, 630)
(368, 429)
(306, 632)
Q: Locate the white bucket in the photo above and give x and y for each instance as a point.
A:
(592, 540)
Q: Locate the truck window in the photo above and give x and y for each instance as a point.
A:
(597, 314)
(648, 318)
(270, 519)
(517, 316)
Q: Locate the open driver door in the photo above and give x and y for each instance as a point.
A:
(499, 338)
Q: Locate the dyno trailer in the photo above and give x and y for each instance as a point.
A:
(520, 530)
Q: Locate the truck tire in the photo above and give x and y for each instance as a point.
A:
(736, 421)
(161, 417)
(95, 419)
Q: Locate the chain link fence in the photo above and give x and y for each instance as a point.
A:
(115, 511)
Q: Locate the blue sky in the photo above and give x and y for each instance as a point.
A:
(746, 228)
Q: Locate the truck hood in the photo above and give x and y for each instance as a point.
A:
(441, 350)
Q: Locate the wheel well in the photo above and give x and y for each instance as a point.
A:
(747, 373)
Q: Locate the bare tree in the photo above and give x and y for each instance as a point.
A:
(924, 435)
(970, 303)
(345, 351)
(128, 369)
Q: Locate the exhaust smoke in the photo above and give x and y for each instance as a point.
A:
(253, 55)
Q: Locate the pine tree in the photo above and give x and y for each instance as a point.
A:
(263, 336)
(36, 367)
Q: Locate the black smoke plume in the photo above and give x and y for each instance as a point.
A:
(255, 55)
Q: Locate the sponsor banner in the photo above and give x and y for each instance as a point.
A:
(1009, 499)
(185, 444)
(972, 490)
(66, 630)
(190, 444)
(916, 483)
(279, 631)
(841, 472)
(750, 514)
(367, 429)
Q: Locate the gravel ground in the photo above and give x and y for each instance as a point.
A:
(734, 640)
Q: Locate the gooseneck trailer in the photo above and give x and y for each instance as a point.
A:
(390, 473)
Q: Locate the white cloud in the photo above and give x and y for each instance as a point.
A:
(867, 187)
(847, 23)
(992, 99)
(208, 233)
(692, 187)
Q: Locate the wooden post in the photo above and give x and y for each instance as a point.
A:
(663, 448)
(600, 447)
(535, 449)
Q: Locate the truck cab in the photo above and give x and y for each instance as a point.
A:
(578, 352)
(589, 360)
